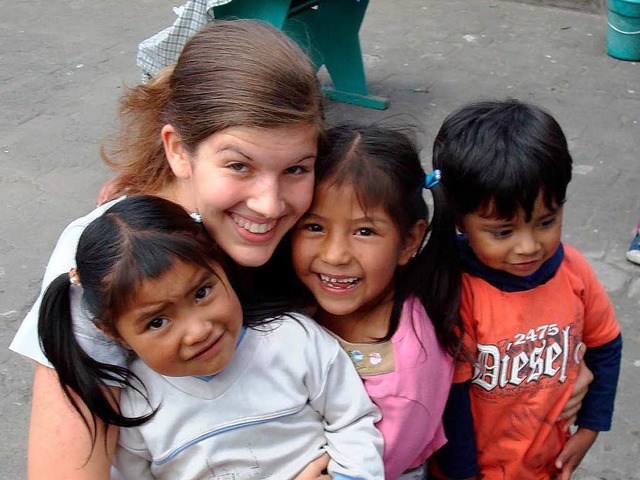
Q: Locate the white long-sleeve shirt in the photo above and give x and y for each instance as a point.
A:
(289, 394)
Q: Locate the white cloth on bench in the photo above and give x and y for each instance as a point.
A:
(163, 48)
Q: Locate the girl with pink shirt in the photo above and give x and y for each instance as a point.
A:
(386, 282)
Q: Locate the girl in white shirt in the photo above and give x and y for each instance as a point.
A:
(209, 391)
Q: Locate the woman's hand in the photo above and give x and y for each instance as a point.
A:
(580, 389)
(59, 442)
(106, 192)
(314, 470)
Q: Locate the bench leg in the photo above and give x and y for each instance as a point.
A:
(328, 33)
(271, 11)
(333, 30)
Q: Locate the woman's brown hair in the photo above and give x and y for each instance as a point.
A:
(234, 73)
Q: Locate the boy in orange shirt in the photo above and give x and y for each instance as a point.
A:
(529, 301)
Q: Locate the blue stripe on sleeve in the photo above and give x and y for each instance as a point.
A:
(597, 406)
(457, 458)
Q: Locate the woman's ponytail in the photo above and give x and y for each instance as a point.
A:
(137, 153)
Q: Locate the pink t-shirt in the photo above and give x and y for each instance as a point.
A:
(408, 378)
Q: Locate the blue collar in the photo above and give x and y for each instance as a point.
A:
(505, 281)
(208, 378)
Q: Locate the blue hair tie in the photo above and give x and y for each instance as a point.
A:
(432, 179)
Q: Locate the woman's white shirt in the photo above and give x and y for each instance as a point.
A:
(95, 343)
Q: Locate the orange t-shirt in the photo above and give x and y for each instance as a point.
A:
(525, 345)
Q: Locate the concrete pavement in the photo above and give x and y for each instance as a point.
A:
(65, 63)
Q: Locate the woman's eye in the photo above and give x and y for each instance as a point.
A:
(157, 323)
(203, 293)
(297, 170)
(238, 167)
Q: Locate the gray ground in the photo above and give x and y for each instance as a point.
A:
(64, 64)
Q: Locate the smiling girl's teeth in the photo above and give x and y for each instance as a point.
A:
(251, 226)
(348, 280)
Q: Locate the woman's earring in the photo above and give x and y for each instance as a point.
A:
(196, 216)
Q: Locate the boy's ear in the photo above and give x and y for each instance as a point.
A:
(412, 242)
(110, 333)
(460, 224)
(177, 156)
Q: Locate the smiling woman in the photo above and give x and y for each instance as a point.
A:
(230, 133)
(251, 184)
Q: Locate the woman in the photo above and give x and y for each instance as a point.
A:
(230, 134)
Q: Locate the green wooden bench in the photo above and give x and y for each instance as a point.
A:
(327, 30)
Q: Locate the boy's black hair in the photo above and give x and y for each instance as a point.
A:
(499, 156)
(383, 165)
(138, 238)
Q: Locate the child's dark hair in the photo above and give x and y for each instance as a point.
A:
(498, 156)
(383, 165)
(136, 239)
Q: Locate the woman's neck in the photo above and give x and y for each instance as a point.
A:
(177, 192)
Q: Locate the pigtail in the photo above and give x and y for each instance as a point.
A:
(80, 376)
(138, 152)
(435, 274)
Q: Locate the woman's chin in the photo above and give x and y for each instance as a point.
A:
(251, 255)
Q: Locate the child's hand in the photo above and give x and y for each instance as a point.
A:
(574, 451)
(580, 389)
(314, 470)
